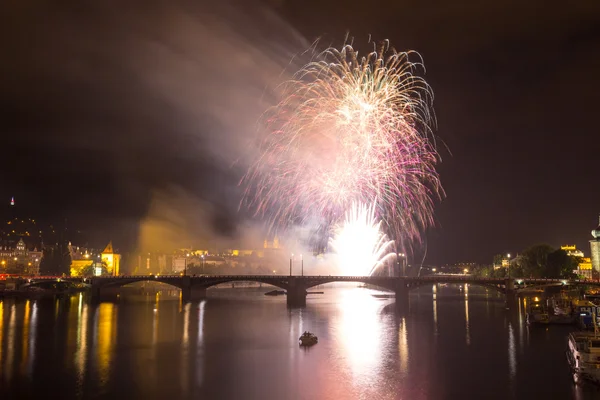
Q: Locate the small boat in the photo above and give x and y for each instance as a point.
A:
(308, 339)
(583, 355)
(550, 313)
(275, 293)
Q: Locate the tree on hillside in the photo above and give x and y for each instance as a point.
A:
(498, 260)
(561, 265)
(534, 260)
(56, 260)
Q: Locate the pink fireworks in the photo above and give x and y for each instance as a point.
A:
(350, 130)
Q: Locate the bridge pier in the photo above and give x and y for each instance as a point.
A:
(296, 294)
(104, 292)
(401, 291)
(193, 293)
(510, 294)
(95, 290)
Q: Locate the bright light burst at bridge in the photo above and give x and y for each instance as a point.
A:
(360, 245)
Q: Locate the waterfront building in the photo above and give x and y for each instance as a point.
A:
(19, 259)
(595, 249)
(84, 261)
(584, 268)
(111, 259)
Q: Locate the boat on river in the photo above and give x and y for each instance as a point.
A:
(308, 339)
(275, 293)
(553, 311)
(583, 355)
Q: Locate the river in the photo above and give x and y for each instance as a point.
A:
(451, 343)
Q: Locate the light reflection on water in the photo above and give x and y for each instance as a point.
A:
(247, 347)
(360, 332)
(104, 342)
(31, 339)
(467, 327)
(11, 342)
(403, 346)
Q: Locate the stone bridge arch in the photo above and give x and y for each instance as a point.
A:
(498, 286)
(103, 285)
(210, 281)
(323, 280)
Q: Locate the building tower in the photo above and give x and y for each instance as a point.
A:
(111, 259)
(595, 248)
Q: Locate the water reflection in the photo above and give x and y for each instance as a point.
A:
(435, 315)
(155, 322)
(80, 357)
(185, 343)
(360, 331)
(10, 350)
(186, 325)
(230, 350)
(467, 326)
(25, 336)
(1, 333)
(512, 352)
(201, 321)
(105, 328)
(403, 346)
(522, 322)
(32, 336)
(200, 348)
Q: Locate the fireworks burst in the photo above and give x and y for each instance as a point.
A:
(359, 243)
(350, 130)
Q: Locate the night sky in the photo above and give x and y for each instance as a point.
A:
(107, 106)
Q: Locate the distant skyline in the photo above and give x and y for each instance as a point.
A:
(111, 109)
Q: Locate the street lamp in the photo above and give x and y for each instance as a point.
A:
(402, 257)
(291, 257)
(185, 266)
(508, 266)
(302, 263)
(202, 264)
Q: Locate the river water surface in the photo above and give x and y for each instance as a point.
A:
(451, 343)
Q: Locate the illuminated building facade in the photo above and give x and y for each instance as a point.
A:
(20, 260)
(584, 268)
(571, 250)
(595, 249)
(111, 259)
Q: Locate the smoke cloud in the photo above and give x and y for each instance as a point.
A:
(143, 114)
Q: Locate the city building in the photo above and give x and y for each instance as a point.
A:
(572, 251)
(84, 261)
(595, 249)
(502, 261)
(584, 268)
(111, 259)
(19, 259)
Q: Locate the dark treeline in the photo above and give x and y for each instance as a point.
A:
(538, 261)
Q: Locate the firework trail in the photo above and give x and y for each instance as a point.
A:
(350, 130)
(359, 243)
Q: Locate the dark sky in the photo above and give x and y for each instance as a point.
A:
(104, 104)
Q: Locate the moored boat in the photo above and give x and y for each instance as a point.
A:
(583, 354)
(275, 293)
(308, 339)
(588, 314)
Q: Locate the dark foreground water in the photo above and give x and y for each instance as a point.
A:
(239, 344)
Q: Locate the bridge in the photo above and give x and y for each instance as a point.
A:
(194, 287)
